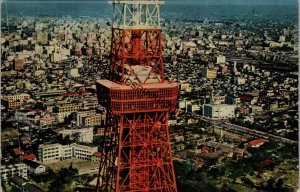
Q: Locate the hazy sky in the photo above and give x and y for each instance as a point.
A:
(222, 2)
(247, 2)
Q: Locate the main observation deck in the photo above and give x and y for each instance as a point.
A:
(137, 98)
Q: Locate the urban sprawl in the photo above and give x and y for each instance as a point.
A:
(235, 127)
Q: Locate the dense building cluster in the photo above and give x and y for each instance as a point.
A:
(238, 71)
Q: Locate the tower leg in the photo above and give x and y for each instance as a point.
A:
(108, 168)
(142, 162)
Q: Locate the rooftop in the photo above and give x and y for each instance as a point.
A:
(257, 142)
(27, 157)
(17, 151)
(97, 154)
(19, 181)
(115, 86)
(31, 163)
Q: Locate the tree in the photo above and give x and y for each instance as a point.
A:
(62, 179)
(248, 182)
(181, 168)
(72, 170)
(48, 176)
(226, 188)
(98, 140)
(279, 183)
(66, 140)
(270, 184)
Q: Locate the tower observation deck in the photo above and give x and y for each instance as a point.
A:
(136, 153)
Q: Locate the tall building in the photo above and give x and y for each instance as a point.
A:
(137, 155)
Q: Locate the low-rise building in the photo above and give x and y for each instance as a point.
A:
(222, 111)
(93, 120)
(66, 152)
(81, 114)
(22, 185)
(8, 171)
(257, 143)
(29, 117)
(19, 64)
(96, 157)
(210, 73)
(34, 167)
(50, 153)
(256, 109)
(64, 110)
(29, 157)
(82, 135)
(83, 152)
(13, 101)
(47, 120)
(218, 99)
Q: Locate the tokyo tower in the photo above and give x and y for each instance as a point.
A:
(136, 154)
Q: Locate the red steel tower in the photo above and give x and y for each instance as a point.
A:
(137, 155)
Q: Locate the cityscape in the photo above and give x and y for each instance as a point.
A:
(207, 92)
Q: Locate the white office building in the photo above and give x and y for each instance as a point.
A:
(8, 171)
(83, 152)
(221, 111)
(221, 59)
(65, 152)
(50, 153)
(83, 135)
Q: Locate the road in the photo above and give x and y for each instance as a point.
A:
(246, 131)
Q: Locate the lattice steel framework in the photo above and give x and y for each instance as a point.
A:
(136, 154)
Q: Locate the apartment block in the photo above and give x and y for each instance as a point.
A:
(93, 120)
(8, 171)
(50, 153)
(210, 73)
(14, 101)
(83, 152)
(82, 134)
(64, 110)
